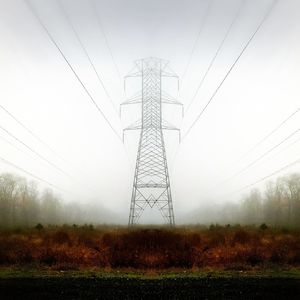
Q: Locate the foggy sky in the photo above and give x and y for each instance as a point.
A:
(38, 87)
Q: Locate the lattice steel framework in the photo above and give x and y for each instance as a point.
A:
(151, 185)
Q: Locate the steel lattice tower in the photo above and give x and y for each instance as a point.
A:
(151, 185)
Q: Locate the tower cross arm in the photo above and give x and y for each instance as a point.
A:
(136, 99)
(167, 126)
(137, 125)
(168, 74)
(134, 73)
(168, 99)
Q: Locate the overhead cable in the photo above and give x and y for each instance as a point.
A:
(73, 70)
(216, 53)
(32, 175)
(231, 68)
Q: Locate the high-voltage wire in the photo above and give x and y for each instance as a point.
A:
(268, 176)
(36, 137)
(270, 133)
(31, 132)
(13, 145)
(203, 21)
(231, 68)
(86, 53)
(72, 69)
(35, 152)
(290, 145)
(98, 18)
(32, 175)
(216, 53)
(261, 156)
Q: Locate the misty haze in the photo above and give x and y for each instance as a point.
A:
(150, 137)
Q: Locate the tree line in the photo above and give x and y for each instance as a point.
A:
(277, 206)
(23, 205)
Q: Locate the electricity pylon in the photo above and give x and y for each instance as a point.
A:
(151, 184)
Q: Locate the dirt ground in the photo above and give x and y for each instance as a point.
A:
(137, 288)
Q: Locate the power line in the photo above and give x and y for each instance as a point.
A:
(36, 137)
(86, 53)
(266, 177)
(20, 150)
(208, 8)
(14, 146)
(203, 21)
(32, 175)
(261, 156)
(72, 69)
(35, 152)
(287, 147)
(17, 148)
(217, 53)
(31, 132)
(98, 18)
(290, 145)
(270, 133)
(231, 68)
(266, 137)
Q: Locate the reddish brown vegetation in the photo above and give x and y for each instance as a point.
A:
(153, 248)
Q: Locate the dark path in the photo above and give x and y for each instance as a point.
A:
(126, 288)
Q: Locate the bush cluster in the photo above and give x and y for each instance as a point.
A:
(73, 247)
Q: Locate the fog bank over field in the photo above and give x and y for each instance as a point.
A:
(86, 161)
(22, 204)
(278, 204)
